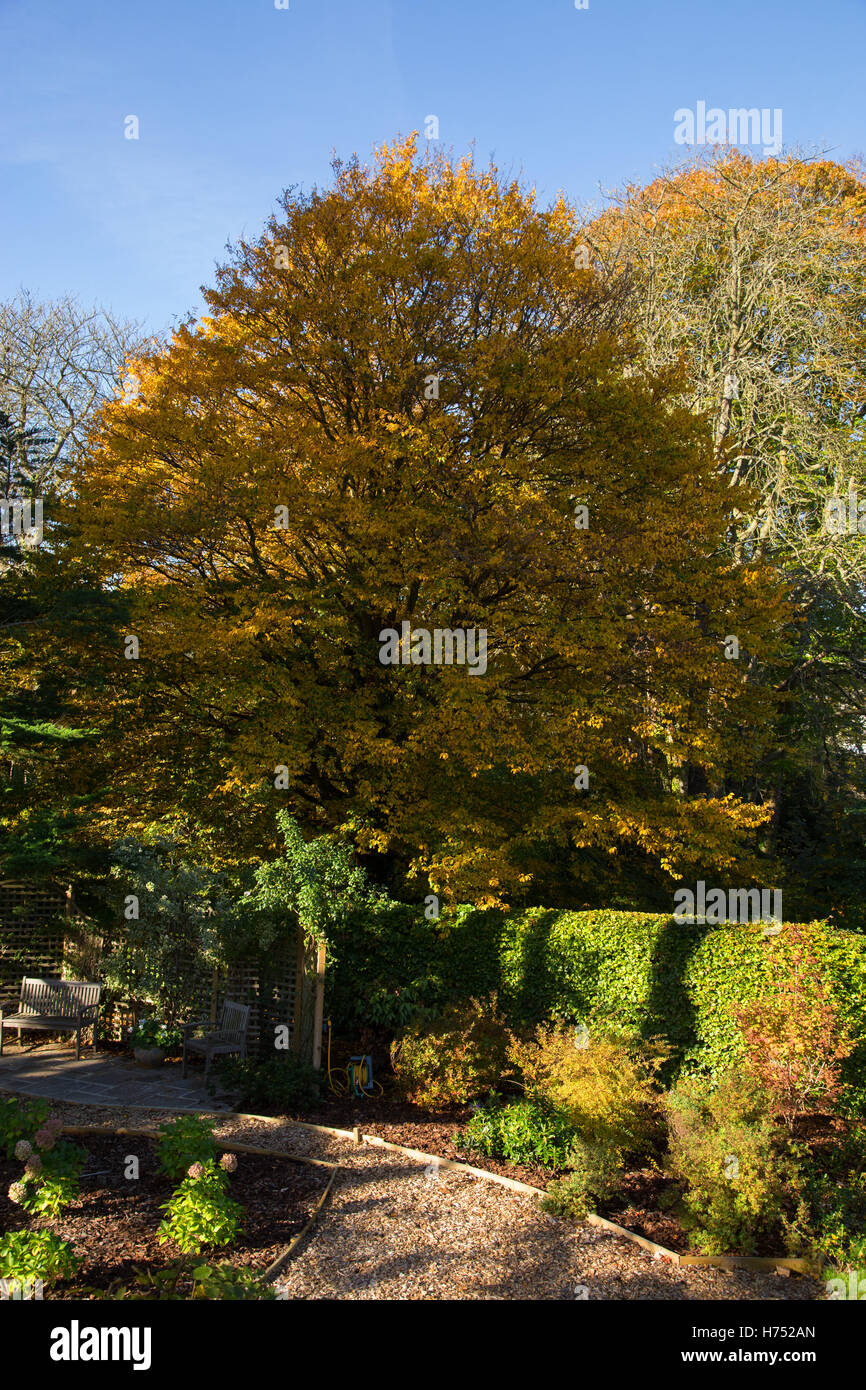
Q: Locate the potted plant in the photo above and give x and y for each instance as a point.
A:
(150, 1039)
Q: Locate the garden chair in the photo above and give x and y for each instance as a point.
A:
(230, 1036)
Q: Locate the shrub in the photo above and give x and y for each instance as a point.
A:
(279, 1083)
(793, 1037)
(51, 1179)
(188, 1139)
(597, 1170)
(524, 1131)
(727, 1151)
(831, 1185)
(228, 1281)
(602, 1078)
(19, 1120)
(457, 1057)
(201, 1212)
(180, 1281)
(26, 1255)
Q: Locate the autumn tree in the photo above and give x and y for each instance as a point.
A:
(752, 274)
(411, 404)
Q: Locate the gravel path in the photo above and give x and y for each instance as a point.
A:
(396, 1228)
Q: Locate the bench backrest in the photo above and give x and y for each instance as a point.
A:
(234, 1022)
(57, 998)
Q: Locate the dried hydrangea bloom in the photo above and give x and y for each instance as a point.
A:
(23, 1149)
(229, 1163)
(44, 1138)
(16, 1192)
(33, 1166)
(195, 1170)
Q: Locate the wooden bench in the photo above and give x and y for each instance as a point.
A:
(230, 1036)
(54, 1006)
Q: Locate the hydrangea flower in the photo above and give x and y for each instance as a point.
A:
(229, 1163)
(23, 1149)
(195, 1170)
(33, 1166)
(44, 1138)
(16, 1192)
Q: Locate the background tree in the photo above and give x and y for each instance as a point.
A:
(753, 275)
(59, 363)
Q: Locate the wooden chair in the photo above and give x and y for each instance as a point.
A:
(230, 1036)
(54, 1006)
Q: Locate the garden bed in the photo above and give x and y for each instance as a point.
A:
(113, 1223)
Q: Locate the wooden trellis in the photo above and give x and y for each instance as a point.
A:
(42, 934)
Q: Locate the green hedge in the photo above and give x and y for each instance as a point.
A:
(638, 968)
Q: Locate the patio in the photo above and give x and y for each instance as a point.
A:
(102, 1078)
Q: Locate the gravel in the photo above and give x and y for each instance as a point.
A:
(397, 1228)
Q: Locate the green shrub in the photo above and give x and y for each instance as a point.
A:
(602, 1077)
(831, 1224)
(228, 1281)
(597, 1170)
(181, 1281)
(728, 1152)
(51, 1177)
(26, 1255)
(186, 1140)
(280, 1083)
(201, 1212)
(457, 1057)
(20, 1119)
(524, 1131)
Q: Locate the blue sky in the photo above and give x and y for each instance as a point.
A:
(236, 100)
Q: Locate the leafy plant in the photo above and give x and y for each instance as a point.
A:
(51, 1178)
(183, 1280)
(831, 1185)
(793, 1036)
(152, 1032)
(201, 1212)
(228, 1281)
(597, 1168)
(36, 1255)
(728, 1152)
(279, 1083)
(602, 1077)
(524, 1131)
(188, 1139)
(457, 1057)
(20, 1119)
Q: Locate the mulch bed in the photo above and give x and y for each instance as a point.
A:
(113, 1223)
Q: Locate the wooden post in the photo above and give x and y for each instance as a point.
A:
(319, 1011)
(299, 995)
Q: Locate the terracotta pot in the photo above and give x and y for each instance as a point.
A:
(150, 1056)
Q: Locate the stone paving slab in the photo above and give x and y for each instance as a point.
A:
(101, 1078)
